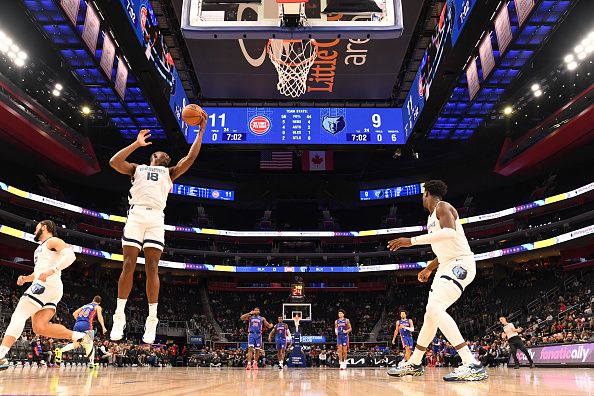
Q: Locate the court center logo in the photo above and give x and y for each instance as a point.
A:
(259, 125)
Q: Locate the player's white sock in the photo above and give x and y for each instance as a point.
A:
(466, 356)
(69, 347)
(417, 357)
(77, 335)
(121, 306)
(152, 310)
(3, 351)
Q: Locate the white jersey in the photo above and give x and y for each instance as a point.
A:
(510, 330)
(451, 249)
(44, 260)
(150, 187)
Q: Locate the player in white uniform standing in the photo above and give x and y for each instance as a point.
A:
(145, 226)
(39, 301)
(456, 269)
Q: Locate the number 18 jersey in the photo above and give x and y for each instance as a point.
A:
(150, 187)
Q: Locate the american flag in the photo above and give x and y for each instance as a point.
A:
(276, 160)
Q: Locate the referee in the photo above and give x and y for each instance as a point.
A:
(515, 342)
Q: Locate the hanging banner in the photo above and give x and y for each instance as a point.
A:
(107, 55)
(523, 9)
(473, 80)
(71, 8)
(486, 55)
(503, 29)
(91, 29)
(121, 78)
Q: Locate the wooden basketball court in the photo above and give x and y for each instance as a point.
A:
(225, 381)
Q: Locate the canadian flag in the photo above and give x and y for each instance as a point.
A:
(317, 160)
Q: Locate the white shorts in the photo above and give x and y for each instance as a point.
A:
(45, 295)
(459, 272)
(145, 227)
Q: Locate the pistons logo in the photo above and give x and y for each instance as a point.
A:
(259, 125)
(215, 194)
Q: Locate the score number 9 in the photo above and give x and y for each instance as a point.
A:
(376, 120)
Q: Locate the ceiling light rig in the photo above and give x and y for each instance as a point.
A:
(10, 49)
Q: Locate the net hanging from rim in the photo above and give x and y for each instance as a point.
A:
(293, 60)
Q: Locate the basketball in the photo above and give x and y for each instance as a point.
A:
(192, 114)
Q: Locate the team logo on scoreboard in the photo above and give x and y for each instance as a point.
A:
(216, 194)
(259, 125)
(333, 125)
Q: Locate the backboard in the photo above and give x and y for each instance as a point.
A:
(292, 309)
(257, 19)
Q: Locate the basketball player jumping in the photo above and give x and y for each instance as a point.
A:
(84, 317)
(515, 341)
(282, 337)
(39, 301)
(456, 269)
(342, 328)
(404, 327)
(254, 336)
(145, 227)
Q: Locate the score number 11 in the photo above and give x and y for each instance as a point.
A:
(213, 119)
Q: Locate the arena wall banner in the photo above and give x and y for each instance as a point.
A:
(572, 355)
(302, 234)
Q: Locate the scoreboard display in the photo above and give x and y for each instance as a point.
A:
(203, 192)
(302, 125)
(391, 192)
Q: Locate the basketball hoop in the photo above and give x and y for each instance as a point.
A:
(293, 60)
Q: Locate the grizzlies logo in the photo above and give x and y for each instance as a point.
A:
(459, 272)
(333, 125)
(36, 288)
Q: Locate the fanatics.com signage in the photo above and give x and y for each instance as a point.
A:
(573, 354)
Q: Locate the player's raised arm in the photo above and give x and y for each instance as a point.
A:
(66, 257)
(100, 319)
(119, 162)
(246, 316)
(186, 162)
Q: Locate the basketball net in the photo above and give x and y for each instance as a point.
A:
(293, 60)
(296, 320)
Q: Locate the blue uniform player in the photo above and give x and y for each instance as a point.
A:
(404, 328)
(255, 323)
(342, 328)
(282, 337)
(84, 317)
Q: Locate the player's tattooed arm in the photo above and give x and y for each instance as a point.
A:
(349, 328)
